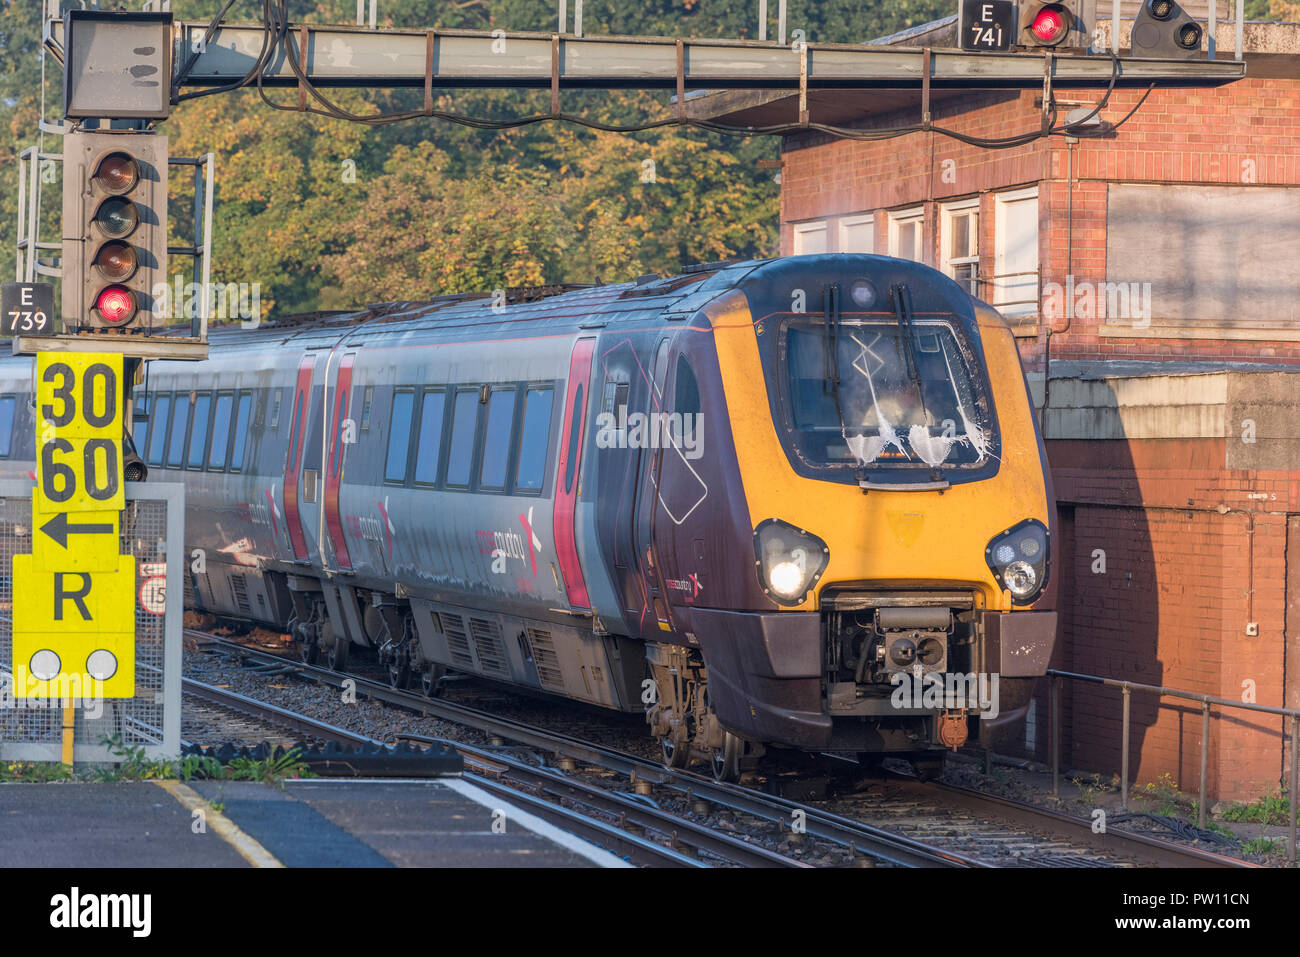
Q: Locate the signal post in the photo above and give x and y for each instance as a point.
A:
(74, 622)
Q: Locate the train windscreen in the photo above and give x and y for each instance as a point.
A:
(886, 395)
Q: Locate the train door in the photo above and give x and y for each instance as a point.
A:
(568, 477)
(293, 461)
(654, 616)
(338, 426)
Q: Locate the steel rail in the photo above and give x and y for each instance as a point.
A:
(1112, 840)
(876, 842)
(628, 811)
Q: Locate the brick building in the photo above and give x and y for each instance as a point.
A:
(1153, 281)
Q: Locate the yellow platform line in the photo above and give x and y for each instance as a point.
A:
(248, 848)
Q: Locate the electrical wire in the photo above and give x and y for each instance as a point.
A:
(254, 73)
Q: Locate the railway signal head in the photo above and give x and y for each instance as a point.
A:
(1164, 29)
(115, 240)
(1066, 24)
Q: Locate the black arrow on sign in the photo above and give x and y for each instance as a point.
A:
(59, 529)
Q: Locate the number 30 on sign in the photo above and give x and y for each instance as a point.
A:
(79, 433)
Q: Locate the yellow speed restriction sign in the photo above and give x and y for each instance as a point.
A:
(79, 433)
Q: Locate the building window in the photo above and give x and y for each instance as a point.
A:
(809, 239)
(905, 228)
(1015, 253)
(858, 234)
(959, 242)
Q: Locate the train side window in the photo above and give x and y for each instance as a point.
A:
(241, 431)
(534, 440)
(496, 439)
(686, 398)
(199, 431)
(140, 417)
(274, 421)
(464, 425)
(433, 405)
(158, 429)
(6, 425)
(176, 437)
(399, 437)
(220, 432)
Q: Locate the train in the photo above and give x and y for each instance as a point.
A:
(797, 503)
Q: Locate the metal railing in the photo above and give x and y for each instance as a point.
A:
(1206, 701)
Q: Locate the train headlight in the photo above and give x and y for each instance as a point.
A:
(1018, 557)
(789, 561)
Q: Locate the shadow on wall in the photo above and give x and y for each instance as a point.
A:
(1107, 586)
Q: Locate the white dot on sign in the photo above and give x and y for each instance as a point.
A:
(101, 664)
(45, 665)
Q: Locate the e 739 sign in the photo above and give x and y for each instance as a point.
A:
(986, 26)
(27, 309)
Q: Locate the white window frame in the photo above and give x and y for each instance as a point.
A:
(805, 229)
(849, 221)
(902, 217)
(946, 261)
(998, 294)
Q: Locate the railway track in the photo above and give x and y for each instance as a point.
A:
(603, 817)
(931, 825)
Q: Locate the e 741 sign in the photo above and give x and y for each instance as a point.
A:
(986, 26)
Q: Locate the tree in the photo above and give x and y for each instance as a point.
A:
(325, 213)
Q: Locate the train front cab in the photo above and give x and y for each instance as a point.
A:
(900, 508)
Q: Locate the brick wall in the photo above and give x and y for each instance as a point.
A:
(1169, 607)
(1244, 134)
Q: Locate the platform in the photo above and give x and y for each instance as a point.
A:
(309, 823)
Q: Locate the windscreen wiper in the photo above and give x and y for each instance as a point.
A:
(901, 299)
(831, 342)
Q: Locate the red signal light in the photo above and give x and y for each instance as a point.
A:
(116, 304)
(1049, 25)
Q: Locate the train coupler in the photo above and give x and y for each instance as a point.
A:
(952, 728)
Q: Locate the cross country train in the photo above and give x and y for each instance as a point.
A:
(770, 503)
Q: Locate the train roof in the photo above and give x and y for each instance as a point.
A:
(526, 311)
